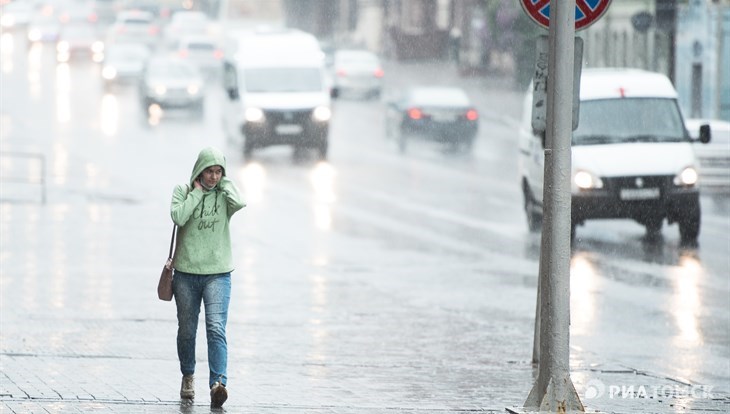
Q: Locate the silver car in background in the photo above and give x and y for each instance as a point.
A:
(79, 40)
(169, 82)
(358, 72)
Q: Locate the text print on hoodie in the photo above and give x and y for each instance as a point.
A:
(204, 242)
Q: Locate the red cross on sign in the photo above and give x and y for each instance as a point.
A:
(587, 12)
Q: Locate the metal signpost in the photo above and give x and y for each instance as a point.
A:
(553, 390)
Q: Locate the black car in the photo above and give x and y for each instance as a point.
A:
(443, 114)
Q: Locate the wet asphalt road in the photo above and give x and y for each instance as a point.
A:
(421, 259)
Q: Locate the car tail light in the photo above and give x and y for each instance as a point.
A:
(153, 30)
(218, 54)
(64, 18)
(415, 113)
(184, 53)
(341, 73)
(93, 18)
(472, 115)
(379, 73)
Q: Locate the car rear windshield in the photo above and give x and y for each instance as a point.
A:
(283, 80)
(135, 21)
(171, 70)
(203, 47)
(612, 121)
(131, 53)
(357, 58)
(435, 97)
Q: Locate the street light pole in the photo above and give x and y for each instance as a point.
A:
(553, 390)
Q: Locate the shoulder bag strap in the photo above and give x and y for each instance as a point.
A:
(172, 241)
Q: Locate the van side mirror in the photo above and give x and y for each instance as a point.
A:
(232, 94)
(705, 133)
(334, 93)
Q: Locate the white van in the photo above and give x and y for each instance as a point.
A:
(277, 91)
(632, 157)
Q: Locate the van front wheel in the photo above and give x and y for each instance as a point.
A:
(247, 149)
(534, 217)
(689, 226)
(322, 150)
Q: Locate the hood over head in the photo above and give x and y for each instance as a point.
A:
(206, 158)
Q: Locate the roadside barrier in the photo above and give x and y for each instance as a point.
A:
(19, 171)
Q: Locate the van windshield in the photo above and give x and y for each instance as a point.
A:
(283, 80)
(613, 121)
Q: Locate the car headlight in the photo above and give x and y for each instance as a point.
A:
(34, 35)
(254, 115)
(62, 47)
(322, 114)
(687, 177)
(109, 73)
(193, 89)
(97, 47)
(160, 89)
(587, 181)
(7, 21)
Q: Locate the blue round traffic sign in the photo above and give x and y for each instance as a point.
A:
(587, 12)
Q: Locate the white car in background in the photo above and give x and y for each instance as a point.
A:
(124, 63)
(714, 158)
(185, 22)
(202, 51)
(15, 15)
(79, 40)
(43, 29)
(134, 26)
(357, 71)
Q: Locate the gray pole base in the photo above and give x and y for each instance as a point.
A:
(562, 398)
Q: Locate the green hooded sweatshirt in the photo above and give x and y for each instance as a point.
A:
(203, 239)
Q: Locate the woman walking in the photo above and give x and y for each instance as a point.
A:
(203, 263)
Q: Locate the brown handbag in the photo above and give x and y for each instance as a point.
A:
(164, 286)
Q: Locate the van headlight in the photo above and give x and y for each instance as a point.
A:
(254, 115)
(321, 114)
(587, 181)
(687, 177)
(160, 89)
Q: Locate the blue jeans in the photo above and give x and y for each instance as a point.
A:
(215, 293)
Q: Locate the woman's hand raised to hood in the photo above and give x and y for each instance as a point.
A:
(233, 196)
(184, 202)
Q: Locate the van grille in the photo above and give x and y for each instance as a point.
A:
(300, 116)
(615, 184)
